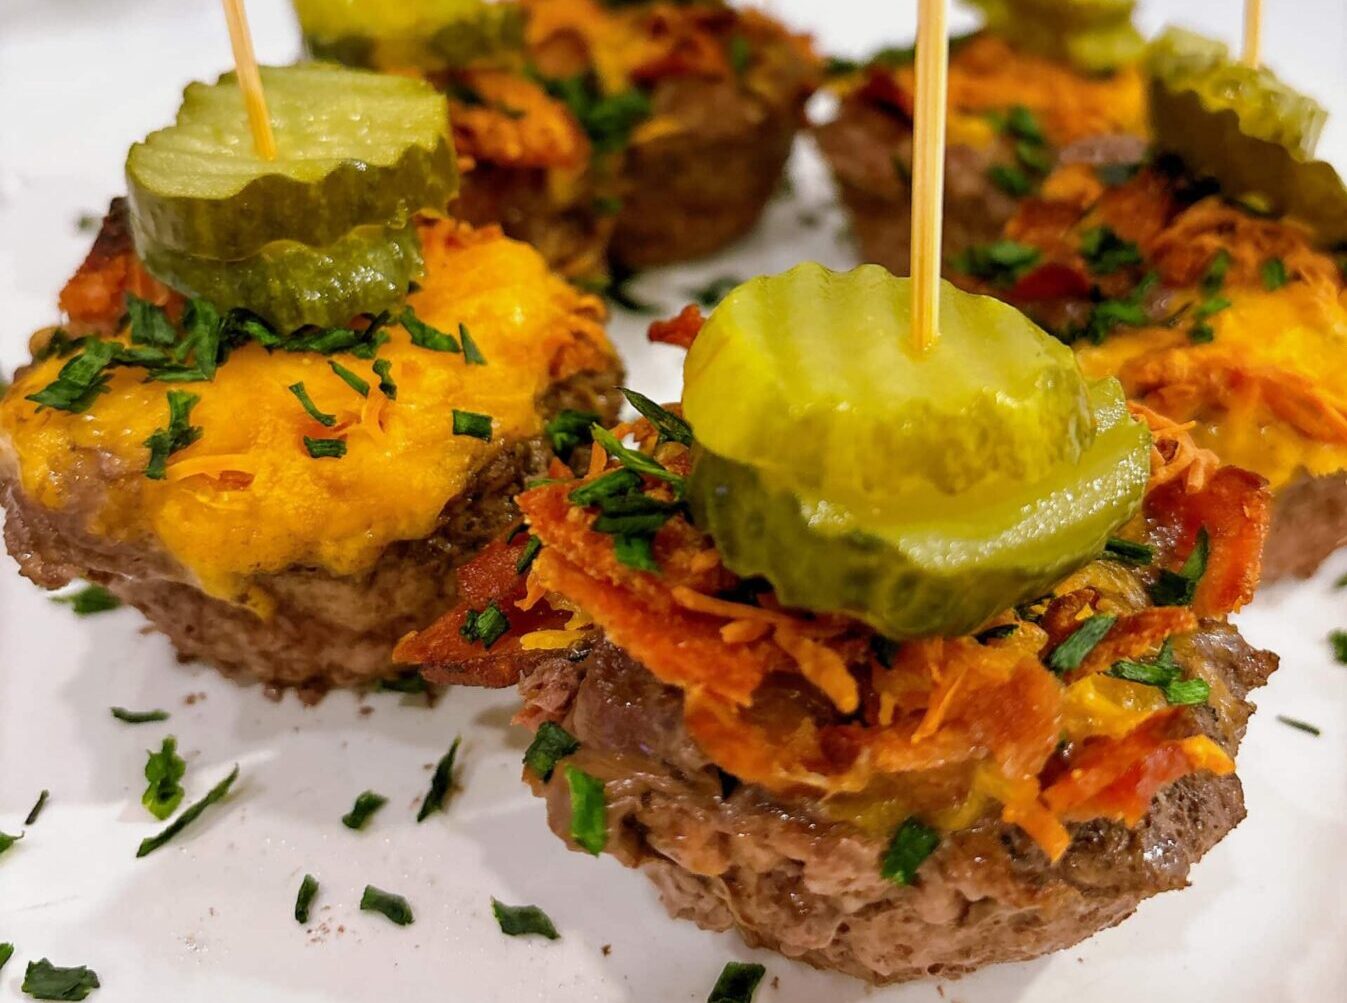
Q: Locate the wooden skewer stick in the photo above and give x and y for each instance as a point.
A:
(1253, 32)
(250, 80)
(928, 168)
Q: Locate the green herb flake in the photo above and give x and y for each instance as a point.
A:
(523, 920)
(395, 908)
(1298, 725)
(79, 381)
(608, 120)
(1177, 588)
(89, 600)
(708, 297)
(44, 981)
(740, 55)
(440, 784)
(6, 840)
(608, 205)
(1020, 122)
(383, 368)
(469, 423)
(1213, 280)
(472, 355)
(737, 983)
(1187, 692)
(356, 383)
(177, 435)
(589, 810)
(366, 804)
(325, 449)
(526, 556)
(670, 426)
(410, 682)
(912, 843)
(1338, 639)
(487, 626)
(36, 810)
(636, 552)
(425, 336)
(1011, 180)
(6, 952)
(1105, 252)
(149, 323)
(163, 771)
(613, 484)
(1002, 263)
(551, 744)
(1202, 334)
(308, 890)
(997, 633)
(1073, 651)
(1033, 156)
(139, 716)
(302, 395)
(1129, 551)
(1166, 674)
(1274, 274)
(216, 794)
(569, 429)
(633, 459)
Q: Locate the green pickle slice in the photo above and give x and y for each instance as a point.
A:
(423, 34)
(354, 149)
(291, 285)
(900, 544)
(1095, 36)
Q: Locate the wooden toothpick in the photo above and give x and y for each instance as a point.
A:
(1253, 32)
(928, 168)
(250, 80)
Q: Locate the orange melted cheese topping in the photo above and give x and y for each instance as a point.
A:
(246, 498)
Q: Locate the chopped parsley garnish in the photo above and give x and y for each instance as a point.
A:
(37, 808)
(366, 804)
(551, 744)
(1177, 588)
(472, 355)
(634, 515)
(608, 120)
(1274, 274)
(79, 381)
(737, 983)
(633, 518)
(570, 429)
(395, 908)
(6, 952)
(425, 336)
(308, 890)
(1073, 651)
(1338, 639)
(178, 434)
(89, 600)
(1165, 674)
(1108, 315)
(353, 381)
(613, 484)
(6, 840)
(1034, 156)
(478, 426)
(1298, 725)
(1020, 122)
(139, 716)
(1114, 175)
(383, 368)
(149, 323)
(1105, 252)
(1001, 263)
(163, 771)
(523, 920)
(325, 449)
(302, 395)
(912, 843)
(44, 981)
(1213, 281)
(589, 810)
(1129, 551)
(1011, 180)
(440, 783)
(996, 633)
(530, 551)
(634, 459)
(709, 296)
(216, 793)
(740, 54)
(487, 626)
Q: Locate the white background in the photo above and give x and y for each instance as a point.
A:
(208, 918)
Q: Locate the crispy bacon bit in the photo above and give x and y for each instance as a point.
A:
(1052, 281)
(681, 331)
(95, 297)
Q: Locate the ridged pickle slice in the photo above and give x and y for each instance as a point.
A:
(423, 34)
(943, 567)
(810, 377)
(355, 149)
(1095, 36)
(291, 285)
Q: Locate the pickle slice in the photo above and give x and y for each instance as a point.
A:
(1242, 126)
(355, 148)
(423, 34)
(1095, 36)
(810, 377)
(290, 284)
(946, 568)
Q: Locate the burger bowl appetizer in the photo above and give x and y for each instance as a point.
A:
(289, 397)
(900, 663)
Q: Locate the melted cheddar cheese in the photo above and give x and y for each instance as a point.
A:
(246, 498)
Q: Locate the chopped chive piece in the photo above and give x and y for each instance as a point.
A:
(440, 783)
(394, 907)
(139, 716)
(1034, 156)
(6, 840)
(1105, 252)
(383, 368)
(613, 484)
(1073, 651)
(996, 633)
(740, 54)
(366, 804)
(425, 336)
(669, 425)
(1020, 121)
(307, 403)
(320, 449)
(470, 423)
(1129, 551)
(44, 981)
(37, 808)
(1177, 588)
(589, 811)
(570, 429)
(529, 552)
(1274, 274)
(551, 744)
(1187, 692)
(216, 793)
(1213, 281)
(149, 323)
(912, 843)
(177, 435)
(1299, 725)
(1341, 582)
(1146, 673)
(163, 771)
(523, 920)
(6, 952)
(1338, 639)
(633, 459)
(737, 983)
(89, 600)
(79, 381)
(1011, 180)
(353, 381)
(636, 552)
(488, 626)
(1003, 262)
(1211, 306)
(472, 355)
(308, 889)
(410, 682)
(1166, 674)
(1202, 333)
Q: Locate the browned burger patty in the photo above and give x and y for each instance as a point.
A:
(788, 878)
(1309, 522)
